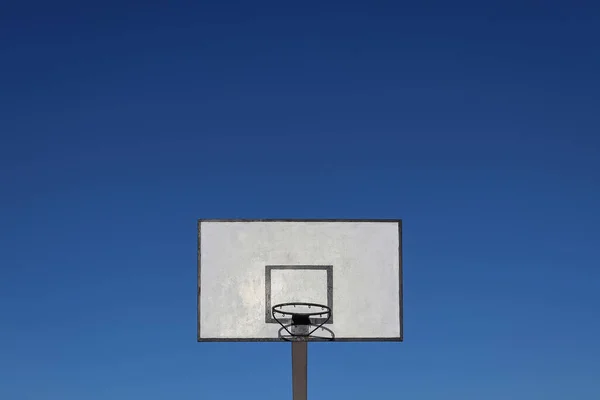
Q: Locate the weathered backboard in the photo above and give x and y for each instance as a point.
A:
(247, 266)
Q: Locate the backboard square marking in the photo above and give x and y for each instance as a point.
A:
(270, 270)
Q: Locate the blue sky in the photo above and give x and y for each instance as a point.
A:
(121, 123)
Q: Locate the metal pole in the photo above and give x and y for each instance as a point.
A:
(299, 370)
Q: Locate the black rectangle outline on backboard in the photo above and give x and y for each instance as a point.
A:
(337, 339)
(269, 268)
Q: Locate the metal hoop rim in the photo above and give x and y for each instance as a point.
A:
(306, 314)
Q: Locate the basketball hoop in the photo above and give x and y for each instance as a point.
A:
(303, 321)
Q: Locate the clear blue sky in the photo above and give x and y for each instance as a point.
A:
(123, 123)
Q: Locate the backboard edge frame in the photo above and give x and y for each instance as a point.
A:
(199, 261)
(375, 220)
(373, 339)
(299, 220)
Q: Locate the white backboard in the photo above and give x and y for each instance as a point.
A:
(247, 266)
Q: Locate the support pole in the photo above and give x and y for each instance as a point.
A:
(299, 370)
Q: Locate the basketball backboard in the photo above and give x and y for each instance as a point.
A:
(352, 267)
